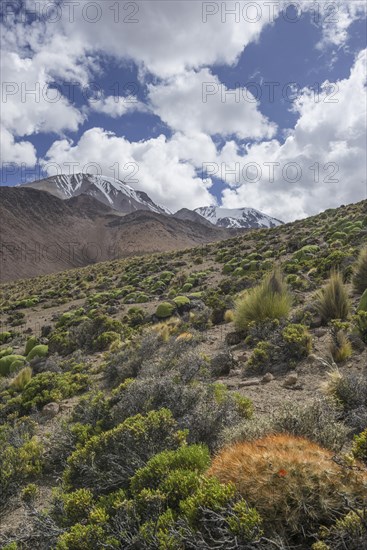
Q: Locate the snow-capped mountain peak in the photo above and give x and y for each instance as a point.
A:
(237, 218)
(112, 192)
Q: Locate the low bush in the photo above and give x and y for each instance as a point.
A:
(49, 386)
(39, 351)
(31, 342)
(347, 533)
(6, 351)
(165, 309)
(360, 446)
(5, 337)
(9, 363)
(125, 449)
(20, 457)
(318, 421)
(349, 390)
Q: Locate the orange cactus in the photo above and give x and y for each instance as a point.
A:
(293, 483)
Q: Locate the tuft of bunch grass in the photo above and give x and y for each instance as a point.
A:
(292, 482)
(22, 378)
(360, 272)
(332, 300)
(270, 300)
(340, 348)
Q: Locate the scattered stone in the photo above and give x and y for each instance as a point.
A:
(291, 380)
(234, 338)
(221, 364)
(242, 358)
(268, 377)
(236, 372)
(245, 383)
(320, 332)
(50, 410)
(316, 322)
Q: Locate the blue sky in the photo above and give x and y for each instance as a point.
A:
(182, 91)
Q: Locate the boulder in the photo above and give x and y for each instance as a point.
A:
(50, 410)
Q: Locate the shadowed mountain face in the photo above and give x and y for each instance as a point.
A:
(111, 192)
(41, 233)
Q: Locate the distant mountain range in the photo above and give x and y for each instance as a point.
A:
(124, 199)
(64, 221)
(41, 233)
(111, 192)
(237, 218)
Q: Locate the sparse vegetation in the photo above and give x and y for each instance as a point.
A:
(173, 400)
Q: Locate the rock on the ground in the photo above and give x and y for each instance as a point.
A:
(268, 377)
(291, 380)
(221, 364)
(234, 338)
(50, 410)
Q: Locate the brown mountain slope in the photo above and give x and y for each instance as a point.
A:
(40, 233)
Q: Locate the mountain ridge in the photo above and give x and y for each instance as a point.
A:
(122, 198)
(236, 218)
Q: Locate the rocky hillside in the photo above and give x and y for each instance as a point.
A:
(209, 397)
(41, 233)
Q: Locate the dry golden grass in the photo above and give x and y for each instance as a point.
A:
(332, 300)
(293, 483)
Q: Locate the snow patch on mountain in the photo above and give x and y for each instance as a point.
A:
(237, 218)
(112, 192)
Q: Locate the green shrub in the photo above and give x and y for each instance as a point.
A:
(175, 474)
(298, 340)
(5, 337)
(31, 342)
(270, 300)
(332, 301)
(347, 533)
(6, 363)
(164, 310)
(125, 449)
(29, 493)
(20, 457)
(39, 351)
(6, 351)
(360, 446)
(182, 302)
(306, 252)
(104, 340)
(216, 500)
(360, 272)
(84, 537)
(51, 386)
